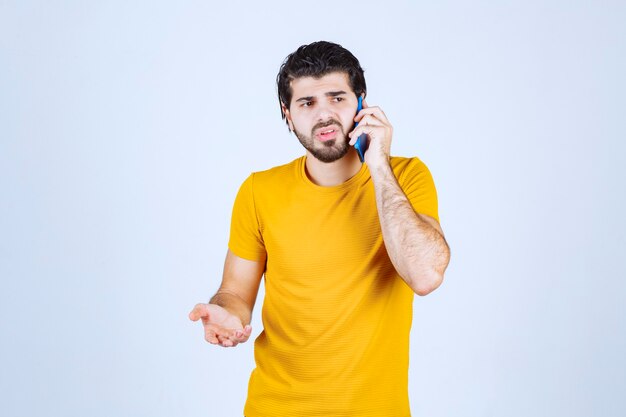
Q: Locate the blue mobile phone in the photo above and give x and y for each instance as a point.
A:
(361, 142)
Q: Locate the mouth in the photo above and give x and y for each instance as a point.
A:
(327, 133)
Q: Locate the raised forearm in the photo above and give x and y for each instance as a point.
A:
(418, 250)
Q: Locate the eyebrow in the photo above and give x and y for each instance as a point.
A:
(329, 94)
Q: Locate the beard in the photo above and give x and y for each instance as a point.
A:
(330, 150)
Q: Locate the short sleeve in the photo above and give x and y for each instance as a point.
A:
(419, 187)
(246, 240)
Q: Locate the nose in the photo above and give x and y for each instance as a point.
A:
(325, 111)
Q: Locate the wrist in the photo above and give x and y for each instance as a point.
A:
(381, 169)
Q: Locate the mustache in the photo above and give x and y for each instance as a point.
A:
(325, 124)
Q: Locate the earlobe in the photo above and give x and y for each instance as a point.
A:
(287, 116)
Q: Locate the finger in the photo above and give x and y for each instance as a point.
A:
(211, 338)
(227, 338)
(236, 335)
(364, 129)
(243, 339)
(200, 310)
(370, 119)
(225, 342)
(217, 331)
(376, 111)
(242, 335)
(366, 121)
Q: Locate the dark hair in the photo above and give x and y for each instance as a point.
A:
(316, 60)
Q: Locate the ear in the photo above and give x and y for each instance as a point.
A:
(287, 115)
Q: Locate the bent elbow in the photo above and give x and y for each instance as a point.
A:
(429, 278)
(424, 284)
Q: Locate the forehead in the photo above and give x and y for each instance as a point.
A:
(311, 86)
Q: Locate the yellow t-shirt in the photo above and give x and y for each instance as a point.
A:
(336, 314)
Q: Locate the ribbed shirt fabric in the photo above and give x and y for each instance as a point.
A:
(336, 314)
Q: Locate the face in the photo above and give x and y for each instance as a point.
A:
(321, 114)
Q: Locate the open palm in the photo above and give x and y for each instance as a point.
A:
(220, 326)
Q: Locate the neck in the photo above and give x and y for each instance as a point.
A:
(332, 173)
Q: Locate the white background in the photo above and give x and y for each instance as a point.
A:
(126, 129)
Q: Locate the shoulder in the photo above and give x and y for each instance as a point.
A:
(407, 167)
(276, 176)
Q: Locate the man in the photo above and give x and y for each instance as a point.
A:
(343, 247)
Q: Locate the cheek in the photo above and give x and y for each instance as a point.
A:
(348, 121)
(297, 121)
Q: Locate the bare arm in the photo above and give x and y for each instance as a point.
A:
(226, 318)
(414, 242)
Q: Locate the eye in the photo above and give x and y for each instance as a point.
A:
(307, 104)
(339, 99)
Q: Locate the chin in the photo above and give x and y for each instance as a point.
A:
(330, 157)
